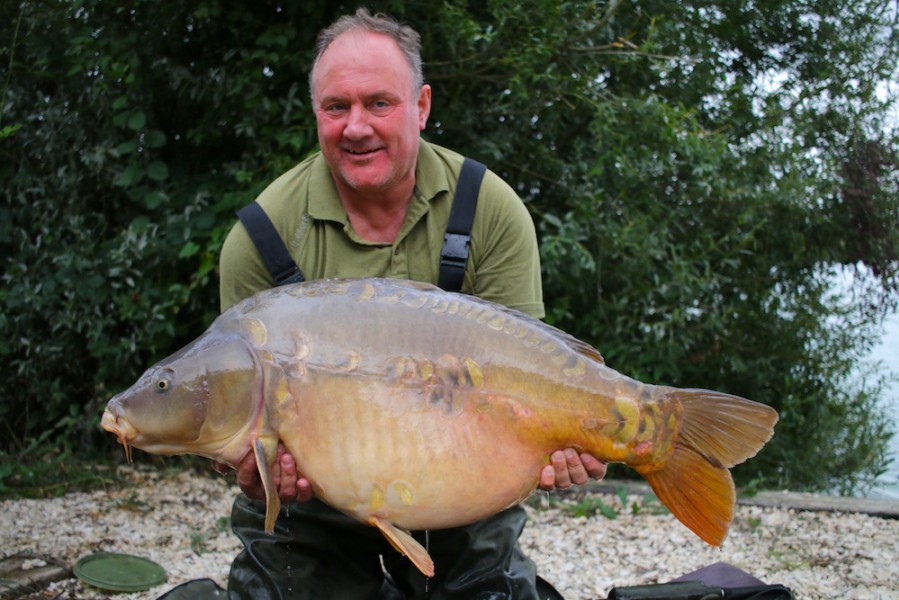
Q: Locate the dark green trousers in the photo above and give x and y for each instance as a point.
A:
(319, 553)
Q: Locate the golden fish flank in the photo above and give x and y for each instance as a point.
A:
(392, 395)
(402, 492)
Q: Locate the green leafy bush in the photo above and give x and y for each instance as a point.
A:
(690, 217)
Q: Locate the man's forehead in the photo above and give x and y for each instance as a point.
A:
(361, 58)
(362, 47)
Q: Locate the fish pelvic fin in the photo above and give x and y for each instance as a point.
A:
(718, 431)
(405, 544)
(265, 449)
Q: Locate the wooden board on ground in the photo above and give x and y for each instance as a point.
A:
(22, 574)
(886, 509)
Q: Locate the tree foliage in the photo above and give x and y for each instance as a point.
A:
(698, 172)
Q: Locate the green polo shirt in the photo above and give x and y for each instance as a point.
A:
(503, 264)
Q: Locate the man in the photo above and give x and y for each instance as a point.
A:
(375, 202)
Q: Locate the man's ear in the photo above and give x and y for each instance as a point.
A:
(424, 106)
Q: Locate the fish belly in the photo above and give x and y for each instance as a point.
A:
(414, 455)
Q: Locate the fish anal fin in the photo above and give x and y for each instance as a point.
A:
(698, 493)
(265, 449)
(406, 545)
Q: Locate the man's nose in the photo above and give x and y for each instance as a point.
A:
(357, 123)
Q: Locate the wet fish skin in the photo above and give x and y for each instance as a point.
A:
(393, 396)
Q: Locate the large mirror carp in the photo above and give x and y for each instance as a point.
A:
(394, 396)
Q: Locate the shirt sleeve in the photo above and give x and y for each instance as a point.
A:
(241, 269)
(242, 272)
(505, 256)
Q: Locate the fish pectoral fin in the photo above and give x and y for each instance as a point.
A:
(265, 449)
(406, 545)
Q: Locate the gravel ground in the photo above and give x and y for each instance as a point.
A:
(180, 520)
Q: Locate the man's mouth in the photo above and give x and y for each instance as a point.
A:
(361, 151)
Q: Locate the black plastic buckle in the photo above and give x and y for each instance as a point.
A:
(455, 249)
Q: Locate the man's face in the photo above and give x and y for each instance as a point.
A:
(368, 116)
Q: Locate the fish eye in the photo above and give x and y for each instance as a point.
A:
(161, 379)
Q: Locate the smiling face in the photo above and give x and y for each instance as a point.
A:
(368, 114)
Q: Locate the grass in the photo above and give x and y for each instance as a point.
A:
(53, 473)
(589, 505)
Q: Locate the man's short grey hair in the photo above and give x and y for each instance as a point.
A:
(406, 38)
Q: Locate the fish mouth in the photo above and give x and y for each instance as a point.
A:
(121, 428)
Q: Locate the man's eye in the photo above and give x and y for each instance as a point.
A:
(379, 106)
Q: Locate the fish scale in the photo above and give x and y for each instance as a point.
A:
(393, 396)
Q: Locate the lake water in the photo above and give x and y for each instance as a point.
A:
(888, 354)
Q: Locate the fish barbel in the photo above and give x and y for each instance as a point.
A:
(393, 396)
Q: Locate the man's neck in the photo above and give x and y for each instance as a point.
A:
(377, 217)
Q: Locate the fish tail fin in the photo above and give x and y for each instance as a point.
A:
(265, 449)
(718, 431)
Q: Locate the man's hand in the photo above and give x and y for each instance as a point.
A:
(290, 486)
(567, 467)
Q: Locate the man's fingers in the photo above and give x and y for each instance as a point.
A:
(304, 490)
(548, 478)
(576, 473)
(248, 476)
(567, 467)
(287, 485)
(560, 463)
(595, 468)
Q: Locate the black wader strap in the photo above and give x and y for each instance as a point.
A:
(454, 255)
(270, 245)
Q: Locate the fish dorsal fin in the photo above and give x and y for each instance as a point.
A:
(582, 348)
(406, 545)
